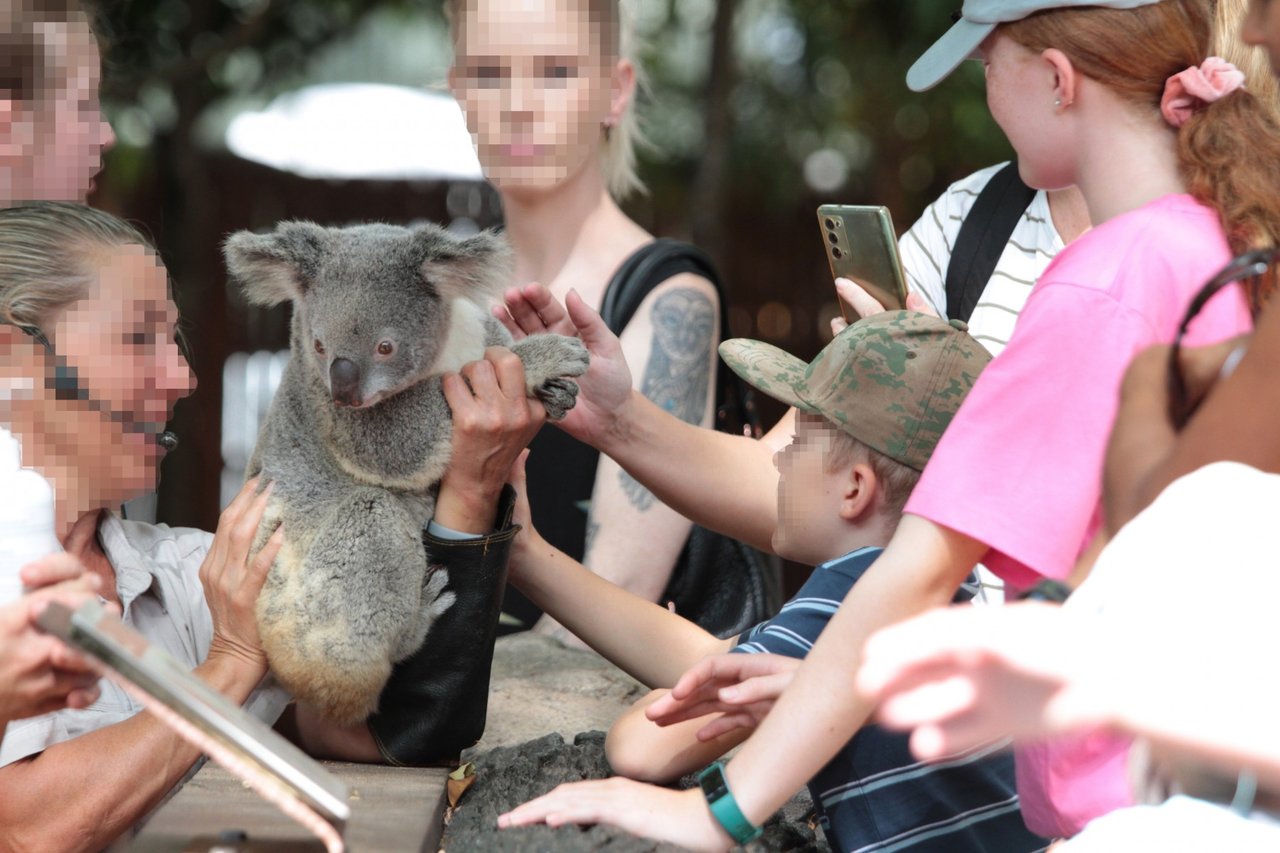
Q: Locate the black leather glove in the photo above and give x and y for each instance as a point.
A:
(434, 704)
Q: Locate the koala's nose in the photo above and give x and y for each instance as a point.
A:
(344, 382)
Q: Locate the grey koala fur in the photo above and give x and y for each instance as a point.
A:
(357, 439)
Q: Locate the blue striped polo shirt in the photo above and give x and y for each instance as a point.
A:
(874, 796)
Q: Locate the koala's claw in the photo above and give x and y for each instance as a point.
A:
(558, 396)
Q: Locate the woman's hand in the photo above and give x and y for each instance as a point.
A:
(740, 688)
(38, 673)
(233, 577)
(493, 421)
(532, 310)
(676, 817)
(605, 389)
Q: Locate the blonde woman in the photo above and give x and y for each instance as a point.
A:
(549, 91)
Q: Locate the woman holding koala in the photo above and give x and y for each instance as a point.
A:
(548, 92)
(87, 324)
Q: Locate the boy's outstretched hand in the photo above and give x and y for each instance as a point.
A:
(676, 817)
(740, 688)
(605, 389)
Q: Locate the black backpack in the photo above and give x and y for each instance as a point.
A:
(982, 238)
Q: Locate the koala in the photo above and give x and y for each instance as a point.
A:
(358, 437)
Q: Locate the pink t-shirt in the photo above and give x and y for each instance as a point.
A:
(1020, 467)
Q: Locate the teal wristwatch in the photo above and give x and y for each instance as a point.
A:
(724, 807)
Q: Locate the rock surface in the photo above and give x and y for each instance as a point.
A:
(548, 710)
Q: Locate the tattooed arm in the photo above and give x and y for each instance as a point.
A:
(632, 538)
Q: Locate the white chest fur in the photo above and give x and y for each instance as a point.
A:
(464, 341)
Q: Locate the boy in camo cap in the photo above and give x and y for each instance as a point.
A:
(872, 406)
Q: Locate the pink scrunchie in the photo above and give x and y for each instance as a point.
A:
(1190, 90)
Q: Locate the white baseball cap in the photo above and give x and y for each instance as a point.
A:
(979, 19)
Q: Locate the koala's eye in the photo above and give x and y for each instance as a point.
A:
(319, 347)
(386, 348)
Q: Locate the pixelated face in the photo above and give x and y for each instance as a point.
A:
(373, 319)
(65, 131)
(120, 341)
(534, 87)
(1262, 28)
(1020, 97)
(808, 493)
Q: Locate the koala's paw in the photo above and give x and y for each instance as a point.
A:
(550, 356)
(557, 396)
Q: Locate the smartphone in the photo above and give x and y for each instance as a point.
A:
(862, 247)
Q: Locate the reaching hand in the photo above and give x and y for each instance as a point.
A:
(605, 389)
(963, 676)
(532, 310)
(493, 421)
(233, 577)
(676, 817)
(741, 689)
(38, 673)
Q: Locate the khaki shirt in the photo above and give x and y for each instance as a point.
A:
(161, 597)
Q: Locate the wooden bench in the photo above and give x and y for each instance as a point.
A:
(393, 810)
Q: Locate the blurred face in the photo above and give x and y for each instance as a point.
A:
(534, 89)
(1020, 95)
(1262, 28)
(63, 133)
(809, 494)
(120, 341)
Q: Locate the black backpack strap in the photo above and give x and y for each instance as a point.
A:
(982, 238)
(648, 267)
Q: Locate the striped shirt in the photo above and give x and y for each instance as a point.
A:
(874, 796)
(926, 251)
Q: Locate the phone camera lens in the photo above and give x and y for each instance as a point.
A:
(835, 240)
(836, 253)
(831, 225)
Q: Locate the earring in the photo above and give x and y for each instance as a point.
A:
(607, 127)
(1057, 102)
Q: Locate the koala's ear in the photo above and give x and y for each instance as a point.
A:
(276, 267)
(476, 267)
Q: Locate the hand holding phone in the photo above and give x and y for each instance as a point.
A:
(861, 246)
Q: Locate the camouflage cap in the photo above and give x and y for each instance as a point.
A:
(893, 380)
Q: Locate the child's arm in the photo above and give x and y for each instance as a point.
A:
(639, 748)
(816, 715)
(649, 642)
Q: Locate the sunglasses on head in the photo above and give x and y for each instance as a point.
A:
(1245, 269)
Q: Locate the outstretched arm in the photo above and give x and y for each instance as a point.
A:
(679, 462)
(821, 709)
(649, 642)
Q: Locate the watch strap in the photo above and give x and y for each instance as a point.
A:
(724, 808)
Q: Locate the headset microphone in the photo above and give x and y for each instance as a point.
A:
(66, 386)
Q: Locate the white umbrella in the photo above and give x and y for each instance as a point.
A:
(359, 131)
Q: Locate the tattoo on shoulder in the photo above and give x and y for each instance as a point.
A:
(679, 367)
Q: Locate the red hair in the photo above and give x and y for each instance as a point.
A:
(1228, 151)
